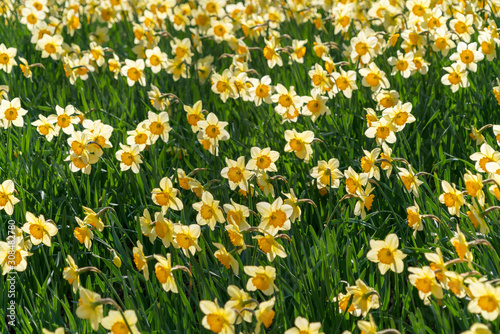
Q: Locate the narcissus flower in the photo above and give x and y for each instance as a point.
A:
(410, 180)
(452, 198)
(456, 77)
(403, 64)
(367, 327)
(11, 113)
(345, 82)
(237, 214)
(186, 238)
(7, 198)
(382, 131)
(158, 126)
(486, 300)
(368, 163)
(213, 130)
(261, 90)
(240, 299)
(134, 72)
(365, 298)
(269, 245)
(90, 308)
(218, 319)
(455, 283)
(387, 254)
(224, 85)
(327, 174)
(129, 157)
(399, 115)
(209, 212)
(45, 127)
(40, 231)
(478, 328)
(414, 219)
(226, 259)
(261, 279)
(194, 115)
(424, 280)
(140, 261)
(118, 323)
(354, 181)
(263, 159)
(315, 105)
(163, 272)
(83, 233)
(299, 143)
(156, 59)
(236, 173)
(302, 326)
(71, 274)
(467, 56)
(166, 196)
(275, 216)
(265, 314)
(18, 263)
(7, 58)
(461, 246)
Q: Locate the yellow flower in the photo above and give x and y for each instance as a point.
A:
(345, 82)
(275, 216)
(129, 157)
(343, 301)
(410, 180)
(40, 231)
(354, 181)
(478, 328)
(237, 214)
(476, 218)
(236, 173)
(387, 254)
(265, 314)
(209, 212)
(461, 246)
(299, 143)
(368, 163)
(90, 307)
(438, 265)
(217, 319)
(83, 233)
(186, 237)
(367, 327)
(302, 326)
(236, 237)
(134, 72)
(293, 201)
(452, 198)
(163, 229)
(327, 174)
(213, 131)
(485, 156)
(269, 245)
(424, 280)
(11, 113)
(382, 131)
(467, 56)
(365, 201)
(455, 282)
(71, 274)
(117, 323)
(59, 330)
(166, 196)
(194, 115)
(18, 263)
(365, 298)
(226, 259)
(7, 198)
(263, 159)
(261, 90)
(474, 186)
(7, 58)
(485, 300)
(93, 219)
(163, 272)
(158, 126)
(240, 299)
(140, 261)
(224, 85)
(45, 127)
(261, 279)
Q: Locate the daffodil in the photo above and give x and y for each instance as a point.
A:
(365, 298)
(11, 113)
(265, 314)
(71, 274)
(275, 216)
(387, 254)
(452, 198)
(163, 272)
(18, 263)
(302, 326)
(7, 198)
(236, 173)
(166, 196)
(209, 212)
(186, 238)
(261, 279)
(424, 280)
(299, 143)
(39, 229)
(83, 233)
(240, 300)
(140, 261)
(117, 322)
(485, 300)
(226, 258)
(327, 174)
(217, 319)
(90, 308)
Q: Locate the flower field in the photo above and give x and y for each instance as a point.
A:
(253, 166)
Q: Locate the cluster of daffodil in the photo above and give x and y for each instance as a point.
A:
(411, 31)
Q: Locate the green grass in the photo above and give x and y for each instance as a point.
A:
(329, 244)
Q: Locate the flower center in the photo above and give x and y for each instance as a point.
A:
(413, 218)
(277, 218)
(36, 231)
(212, 131)
(134, 74)
(261, 282)
(50, 48)
(460, 27)
(119, 327)
(402, 65)
(383, 132)
(450, 199)
(162, 274)
(373, 79)
(424, 284)
(219, 30)
(139, 262)
(11, 114)
(472, 188)
(366, 164)
(262, 91)
(154, 60)
(235, 174)
(4, 58)
(216, 322)
(127, 158)
(163, 198)
(206, 212)
(487, 303)
(296, 145)
(79, 235)
(467, 56)
(4, 199)
(156, 128)
(385, 256)
(440, 43)
(184, 241)
(352, 185)
(224, 260)
(266, 244)
(342, 83)
(361, 48)
(285, 100)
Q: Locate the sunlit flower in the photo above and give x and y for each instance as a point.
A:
(275, 215)
(118, 323)
(478, 328)
(71, 274)
(240, 299)
(327, 174)
(7, 198)
(166, 196)
(302, 326)
(486, 300)
(7, 58)
(467, 56)
(217, 319)
(11, 113)
(368, 163)
(90, 308)
(365, 298)
(129, 157)
(387, 254)
(40, 230)
(163, 272)
(452, 198)
(403, 64)
(299, 143)
(261, 279)
(134, 72)
(226, 259)
(424, 280)
(186, 238)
